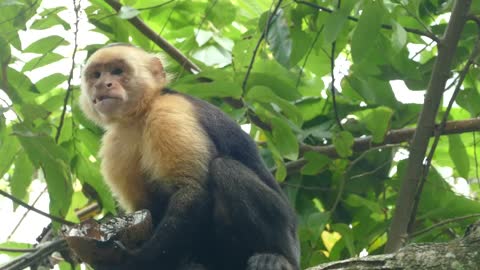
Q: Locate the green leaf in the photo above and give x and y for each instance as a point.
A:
(284, 139)
(360, 202)
(373, 91)
(459, 155)
(22, 88)
(301, 42)
(222, 14)
(9, 148)
(279, 39)
(14, 245)
(368, 29)
(50, 82)
(212, 89)
(399, 37)
(336, 22)
(347, 237)
(263, 94)
(128, 12)
(50, 21)
(42, 61)
(213, 55)
(5, 49)
(242, 52)
(469, 98)
(276, 77)
(88, 172)
(343, 142)
(377, 121)
(316, 163)
(42, 151)
(22, 177)
(316, 223)
(46, 45)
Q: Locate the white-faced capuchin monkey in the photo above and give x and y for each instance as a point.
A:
(215, 205)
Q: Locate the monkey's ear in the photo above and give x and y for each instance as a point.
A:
(156, 67)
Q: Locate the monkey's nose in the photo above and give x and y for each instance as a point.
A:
(108, 84)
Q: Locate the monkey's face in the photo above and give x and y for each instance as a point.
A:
(118, 82)
(106, 86)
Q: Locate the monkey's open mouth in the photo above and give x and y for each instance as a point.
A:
(102, 98)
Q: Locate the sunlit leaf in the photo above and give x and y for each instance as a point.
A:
(22, 177)
(42, 61)
(46, 45)
(343, 142)
(127, 12)
(367, 30)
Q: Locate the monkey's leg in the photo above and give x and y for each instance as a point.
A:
(251, 219)
(178, 232)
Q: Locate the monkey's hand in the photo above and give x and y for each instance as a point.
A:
(187, 211)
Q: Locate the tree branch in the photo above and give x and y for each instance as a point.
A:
(442, 223)
(20, 202)
(384, 26)
(425, 126)
(76, 8)
(426, 169)
(456, 254)
(37, 256)
(393, 137)
(157, 39)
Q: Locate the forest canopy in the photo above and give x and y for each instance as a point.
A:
(332, 91)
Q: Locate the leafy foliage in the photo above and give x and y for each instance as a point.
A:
(344, 197)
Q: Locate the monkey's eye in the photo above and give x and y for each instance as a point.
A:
(117, 71)
(96, 74)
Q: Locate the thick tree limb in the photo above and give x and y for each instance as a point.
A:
(393, 137)
(425, 126)
(398, 136)
(457, 254)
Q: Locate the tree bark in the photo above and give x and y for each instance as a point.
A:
(458, 254)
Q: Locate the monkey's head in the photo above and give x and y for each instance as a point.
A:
(118, 83)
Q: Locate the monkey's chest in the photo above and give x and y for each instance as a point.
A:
(136, 177)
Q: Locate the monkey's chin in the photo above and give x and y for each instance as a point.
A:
(108, 106)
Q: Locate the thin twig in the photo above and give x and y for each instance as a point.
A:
(155, 6)
(442, 223)
(300, 73)
(352, 164)
(421, 50)
(34, 258)
(38, 211)
(262, 37)
(384, 26)
(76, 8)
(370, 172)
(475, 158)
(18, 250)
(332, 75)
(26, 213)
